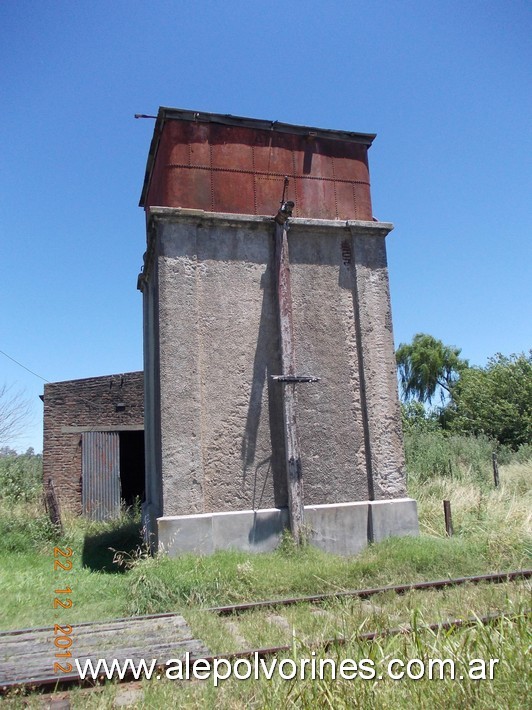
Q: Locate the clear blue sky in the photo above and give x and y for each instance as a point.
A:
(444, 84)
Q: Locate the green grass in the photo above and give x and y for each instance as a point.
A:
(492, 533)
(492, 529)
(507, 640)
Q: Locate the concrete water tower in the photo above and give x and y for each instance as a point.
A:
(270, 379)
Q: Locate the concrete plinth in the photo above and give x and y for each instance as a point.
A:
(342, 529)
(392, 518)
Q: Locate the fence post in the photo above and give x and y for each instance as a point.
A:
(51, 504)
(495, 469)
(448, 517)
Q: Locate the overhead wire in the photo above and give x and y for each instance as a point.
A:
(81, 399)
(24, 367)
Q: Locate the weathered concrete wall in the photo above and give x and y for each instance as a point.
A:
(376, 356)
(75, 406)
(216, 333)
(152, 506)
(330, 422)
(221, 445)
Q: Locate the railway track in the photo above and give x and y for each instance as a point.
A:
(495, 578)
(46, 682)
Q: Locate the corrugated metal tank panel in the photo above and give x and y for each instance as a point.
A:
(101, 492)
(241, 169)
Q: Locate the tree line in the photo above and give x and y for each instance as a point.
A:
(494, 400)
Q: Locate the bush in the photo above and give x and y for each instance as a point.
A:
(416, 419)
(20, 475)
(523, 454)
(24, 528)
(495, 400)
(435, 453)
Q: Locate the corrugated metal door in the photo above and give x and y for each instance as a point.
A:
(100, 472)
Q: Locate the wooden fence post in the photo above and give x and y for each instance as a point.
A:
(448, 517)
(495, 469)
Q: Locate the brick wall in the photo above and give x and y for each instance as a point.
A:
(90, 404)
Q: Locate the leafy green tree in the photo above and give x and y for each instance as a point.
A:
(495, 400)
(426, 366)
(417, 419)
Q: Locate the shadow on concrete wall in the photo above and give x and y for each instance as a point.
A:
(267, 525)
(267, 362)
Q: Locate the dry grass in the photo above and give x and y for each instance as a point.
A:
(501, 517)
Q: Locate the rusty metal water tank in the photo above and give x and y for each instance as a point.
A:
(223, 163)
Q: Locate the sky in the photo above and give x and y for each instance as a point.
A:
(445, 85)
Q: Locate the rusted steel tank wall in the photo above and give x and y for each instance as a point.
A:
(202, 164)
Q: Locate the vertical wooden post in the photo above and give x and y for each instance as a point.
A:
(293, 455)
(448, 517)
(51, 503)
(495, 469)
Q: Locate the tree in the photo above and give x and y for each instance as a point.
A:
(14, 414)
(496, 400)
(427, 366)
(20, 475)
(417, 420)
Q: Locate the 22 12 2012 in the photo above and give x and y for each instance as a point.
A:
(63, 633)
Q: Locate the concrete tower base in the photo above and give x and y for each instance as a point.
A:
(341, 528)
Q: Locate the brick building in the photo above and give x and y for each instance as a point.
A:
(93, 449)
